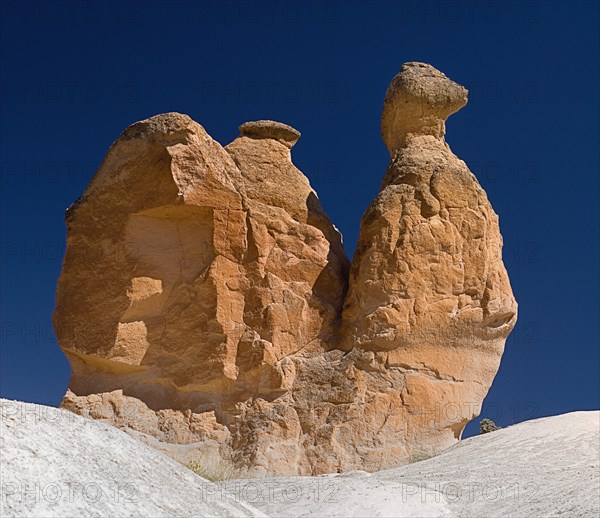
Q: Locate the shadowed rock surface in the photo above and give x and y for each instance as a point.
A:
(206, 300)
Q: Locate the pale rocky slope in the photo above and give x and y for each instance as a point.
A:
(57, 464)
(541, 468)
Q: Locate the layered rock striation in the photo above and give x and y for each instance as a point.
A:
(206, 300)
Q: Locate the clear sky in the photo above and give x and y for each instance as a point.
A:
(75, 74)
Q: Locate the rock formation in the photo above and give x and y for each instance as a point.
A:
(206, 300)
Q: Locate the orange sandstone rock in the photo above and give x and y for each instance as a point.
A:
(206, 301)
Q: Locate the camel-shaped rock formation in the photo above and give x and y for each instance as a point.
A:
(206, 300)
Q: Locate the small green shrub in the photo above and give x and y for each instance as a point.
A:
(487, 426)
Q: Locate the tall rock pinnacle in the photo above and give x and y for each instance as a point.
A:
(418, 101)
(206, 299)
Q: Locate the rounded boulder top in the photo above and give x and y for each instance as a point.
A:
(419, 100)
(426, 84)
(167, 128)
(267, 129)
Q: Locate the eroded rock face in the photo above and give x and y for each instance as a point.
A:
(428, 288)
(206, 299)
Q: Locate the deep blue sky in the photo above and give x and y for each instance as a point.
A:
(74, 75)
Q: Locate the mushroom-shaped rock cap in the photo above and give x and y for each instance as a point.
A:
(419, 100)
(283, 133)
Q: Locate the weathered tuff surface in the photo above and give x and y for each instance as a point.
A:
(57, 464)
(206, 299)
(544, 467)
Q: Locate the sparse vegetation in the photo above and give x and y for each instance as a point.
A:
(487, 426)
(211, 468)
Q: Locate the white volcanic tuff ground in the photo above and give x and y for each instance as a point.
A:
(539, 468)
(55, 463)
